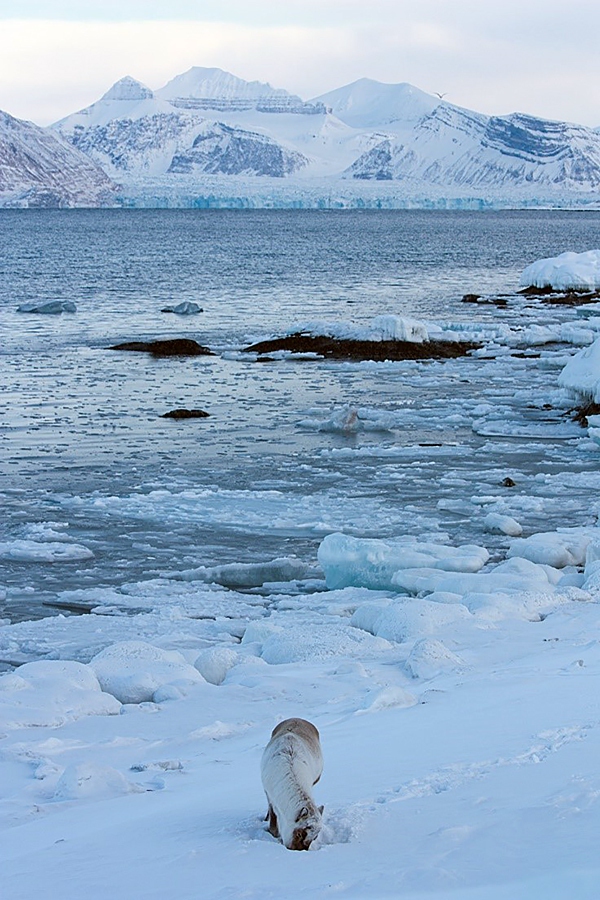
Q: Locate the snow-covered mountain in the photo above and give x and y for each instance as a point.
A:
(39, 168)
(214, 89)
(132, 131)
(371, 104)
(210, 138)
(455, 147)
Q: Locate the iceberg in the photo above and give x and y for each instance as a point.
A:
(48, 307)
(349, 561)
(185, 308)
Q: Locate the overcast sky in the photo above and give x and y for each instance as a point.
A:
(495, 56)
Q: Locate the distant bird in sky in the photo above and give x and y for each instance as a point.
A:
(441, 96)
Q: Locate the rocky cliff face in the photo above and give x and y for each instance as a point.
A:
(39, 168)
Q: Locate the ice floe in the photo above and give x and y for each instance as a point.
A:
(503, 524)
(374, 564)
(185, 308)
(48, 307)
(43, 551)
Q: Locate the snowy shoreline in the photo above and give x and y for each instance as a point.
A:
(454, 683)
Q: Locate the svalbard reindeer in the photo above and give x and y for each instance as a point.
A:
(291, 764)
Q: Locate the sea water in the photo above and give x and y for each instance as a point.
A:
(86, 461)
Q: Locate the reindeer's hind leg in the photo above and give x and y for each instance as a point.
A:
(272, 827)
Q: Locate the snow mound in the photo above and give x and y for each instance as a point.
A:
(363, 562)
(555, 548)
(569, 271)
(404, 620)
(215, 662)
(305, 642)
(430, 657)
(44, 551)
(581, 375)
(382, 328)
(133, 671)
(391, 697)
(511, 575)
(90, 781)
(49, 693)
(529, 606)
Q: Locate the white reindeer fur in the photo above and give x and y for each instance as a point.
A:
(291, 764)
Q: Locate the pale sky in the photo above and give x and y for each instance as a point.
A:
(495, 56)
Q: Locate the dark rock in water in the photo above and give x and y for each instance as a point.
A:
(48, 307)
(175, 347)
(573, 298)
(508, 482)
(581, 414)
(337, 348)
(185, 414)
(570, 297)
(186, 308)
(537, 291)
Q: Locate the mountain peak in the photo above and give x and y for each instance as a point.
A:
(200, 83)
(128, 88)
(367, 103)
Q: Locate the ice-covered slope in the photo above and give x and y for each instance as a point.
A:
(455, 147)
(39, 168)
(372, 104)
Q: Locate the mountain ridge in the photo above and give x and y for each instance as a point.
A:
(209, 137)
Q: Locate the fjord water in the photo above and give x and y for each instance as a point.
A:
(85, 456)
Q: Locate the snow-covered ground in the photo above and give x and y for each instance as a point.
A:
(461, 734)
(431, 601)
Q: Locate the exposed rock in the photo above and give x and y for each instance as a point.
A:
(537, 291)
(174, 347)
(571, 297)
(580, 415)
(185, 414)
(337, 348)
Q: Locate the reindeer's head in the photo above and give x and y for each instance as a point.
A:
(307, 826)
